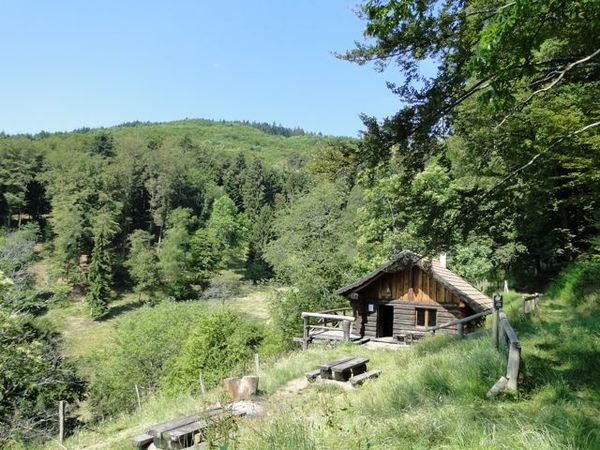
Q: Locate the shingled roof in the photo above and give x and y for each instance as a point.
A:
(404, 259)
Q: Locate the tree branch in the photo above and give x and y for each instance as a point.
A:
(561, 75)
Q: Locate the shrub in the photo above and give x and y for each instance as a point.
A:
(286, 310)
(144, 342)
(33, 379)
(576, 281)
(61, 293)
(219, 346)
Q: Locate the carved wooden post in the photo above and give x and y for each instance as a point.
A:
(496, 320)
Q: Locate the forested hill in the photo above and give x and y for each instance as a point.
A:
(96, 193)
(272, 141)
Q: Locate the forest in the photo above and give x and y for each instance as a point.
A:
(494, 158)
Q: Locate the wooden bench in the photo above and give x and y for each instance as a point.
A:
(325, 369)
(142, 441)
(361, 378)
(181, 432)
(159, 431)
(355, 366)
(312, 375)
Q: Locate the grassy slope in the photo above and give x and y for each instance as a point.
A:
(430, 396)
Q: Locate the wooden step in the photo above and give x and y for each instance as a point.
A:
(360, 379)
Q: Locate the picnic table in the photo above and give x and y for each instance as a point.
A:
(179, 433)
(346, 369)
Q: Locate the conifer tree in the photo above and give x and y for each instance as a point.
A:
(142, 263)
(100, 270)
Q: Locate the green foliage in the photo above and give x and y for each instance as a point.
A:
(143, 343)
(219, 345)
(61, 292)
(313, 251)
(100, 270)
(490, 149)
(103, 144)
(228, 228)
(175, 258)
(142, 262)
(16, 257)
(224, 285)
(577, 281)
(32, 380)
(261, 233)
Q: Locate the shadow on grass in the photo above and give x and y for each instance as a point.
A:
(117, 310)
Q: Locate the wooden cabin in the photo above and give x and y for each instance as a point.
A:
(407, 295)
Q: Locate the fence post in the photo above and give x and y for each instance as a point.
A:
(460, 329)
(61, 421)
(305, 335)
(496, 320)
(137, 396)
(512, 368)
(202, 387)
(346, 328)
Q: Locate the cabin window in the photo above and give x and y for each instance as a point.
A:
(426, 317)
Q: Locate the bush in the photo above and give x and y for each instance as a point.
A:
(32, 380)
(220, 345)
(576, 281)
(144, 342)
(61, 293)
(286, 310)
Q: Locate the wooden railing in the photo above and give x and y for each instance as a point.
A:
(328, 321)
(504, 335)
(460, 323)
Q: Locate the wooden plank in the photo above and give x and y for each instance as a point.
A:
(351, 363)
(325, 368)
(512, 367)
(312, 375)
(157, 430)
(328, 316)
(356, 366)
(142, 441)
(361, 378)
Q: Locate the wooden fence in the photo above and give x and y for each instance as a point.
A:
(460, 323)
(334, 323)
(504, 335)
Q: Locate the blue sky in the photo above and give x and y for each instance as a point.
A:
(69, 64)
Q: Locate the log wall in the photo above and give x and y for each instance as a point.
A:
(405, 291)
(405, 316)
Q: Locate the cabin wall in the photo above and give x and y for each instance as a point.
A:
(423, 289)
(405, 292)
(405, 316)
